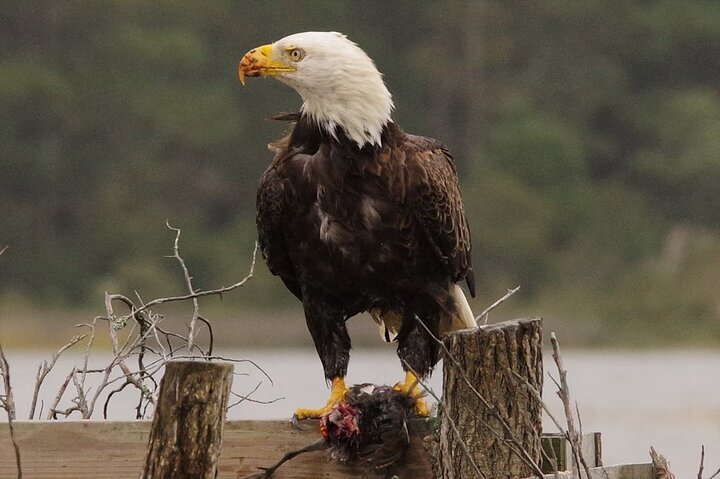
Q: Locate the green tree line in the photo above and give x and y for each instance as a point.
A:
(587, 136)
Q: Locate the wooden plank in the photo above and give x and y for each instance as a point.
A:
(115, 450)
(621, 471)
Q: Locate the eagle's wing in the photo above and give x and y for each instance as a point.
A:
(273, 203)
(437, 205)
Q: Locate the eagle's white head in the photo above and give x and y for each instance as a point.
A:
(338, 82)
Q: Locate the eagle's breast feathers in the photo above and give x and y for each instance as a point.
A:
(369, 210)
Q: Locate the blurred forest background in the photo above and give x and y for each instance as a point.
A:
(587, 136)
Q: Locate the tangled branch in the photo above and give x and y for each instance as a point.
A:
(136, 333)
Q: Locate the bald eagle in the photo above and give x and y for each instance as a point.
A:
(355, 215)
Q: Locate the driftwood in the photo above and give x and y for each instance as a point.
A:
(491, 421)
(188, 423)
(661, 467)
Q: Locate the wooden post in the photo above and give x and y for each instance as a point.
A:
(558, 449)
(188, 422)
(488, 413)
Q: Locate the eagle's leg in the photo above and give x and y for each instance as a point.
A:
(419, 352)
(327, 328)
(411, 387)
(337, 393)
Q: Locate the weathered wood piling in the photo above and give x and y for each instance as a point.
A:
(187, 426)
(491, 420)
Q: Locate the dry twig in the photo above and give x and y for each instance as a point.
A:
(132, 336)
(702, 465)
(497, 303)
(52, 411)
(246, 397)
(45, 368)
(661, 467)
(211, 292)
(191, 290)
(7, 402)
(564, 394)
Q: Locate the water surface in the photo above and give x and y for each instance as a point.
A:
(667, 399)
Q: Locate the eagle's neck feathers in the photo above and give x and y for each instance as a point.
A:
(340, 87)
(361, 108)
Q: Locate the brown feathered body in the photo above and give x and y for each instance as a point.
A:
(378, 228)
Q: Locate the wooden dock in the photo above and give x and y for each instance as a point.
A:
(116, 450)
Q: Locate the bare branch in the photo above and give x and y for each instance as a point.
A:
(7, 403)
(81, 400)
(7, 400)
(45, 368)
(564, 395)
(158, 363)
(497, 303)
(110, 395)
(211, 292)
(702, 465)
(242, 398)
(661, 467)
(538, 396)
(121, 353)
(210, 333)
(188, 283)
(58, 397)
(143, 338)
(88, 347)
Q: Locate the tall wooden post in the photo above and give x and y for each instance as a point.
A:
(488, 413)
(188, 422)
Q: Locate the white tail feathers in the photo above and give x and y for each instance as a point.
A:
(390, 322)
(463, 319)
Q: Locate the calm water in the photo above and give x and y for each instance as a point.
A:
(667, 399)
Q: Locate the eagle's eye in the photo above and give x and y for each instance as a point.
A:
(296, 54)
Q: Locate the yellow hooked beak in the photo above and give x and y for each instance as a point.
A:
(257, 62)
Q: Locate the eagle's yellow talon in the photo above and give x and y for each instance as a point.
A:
(411, 387)
(420, 408)
(337, 394)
